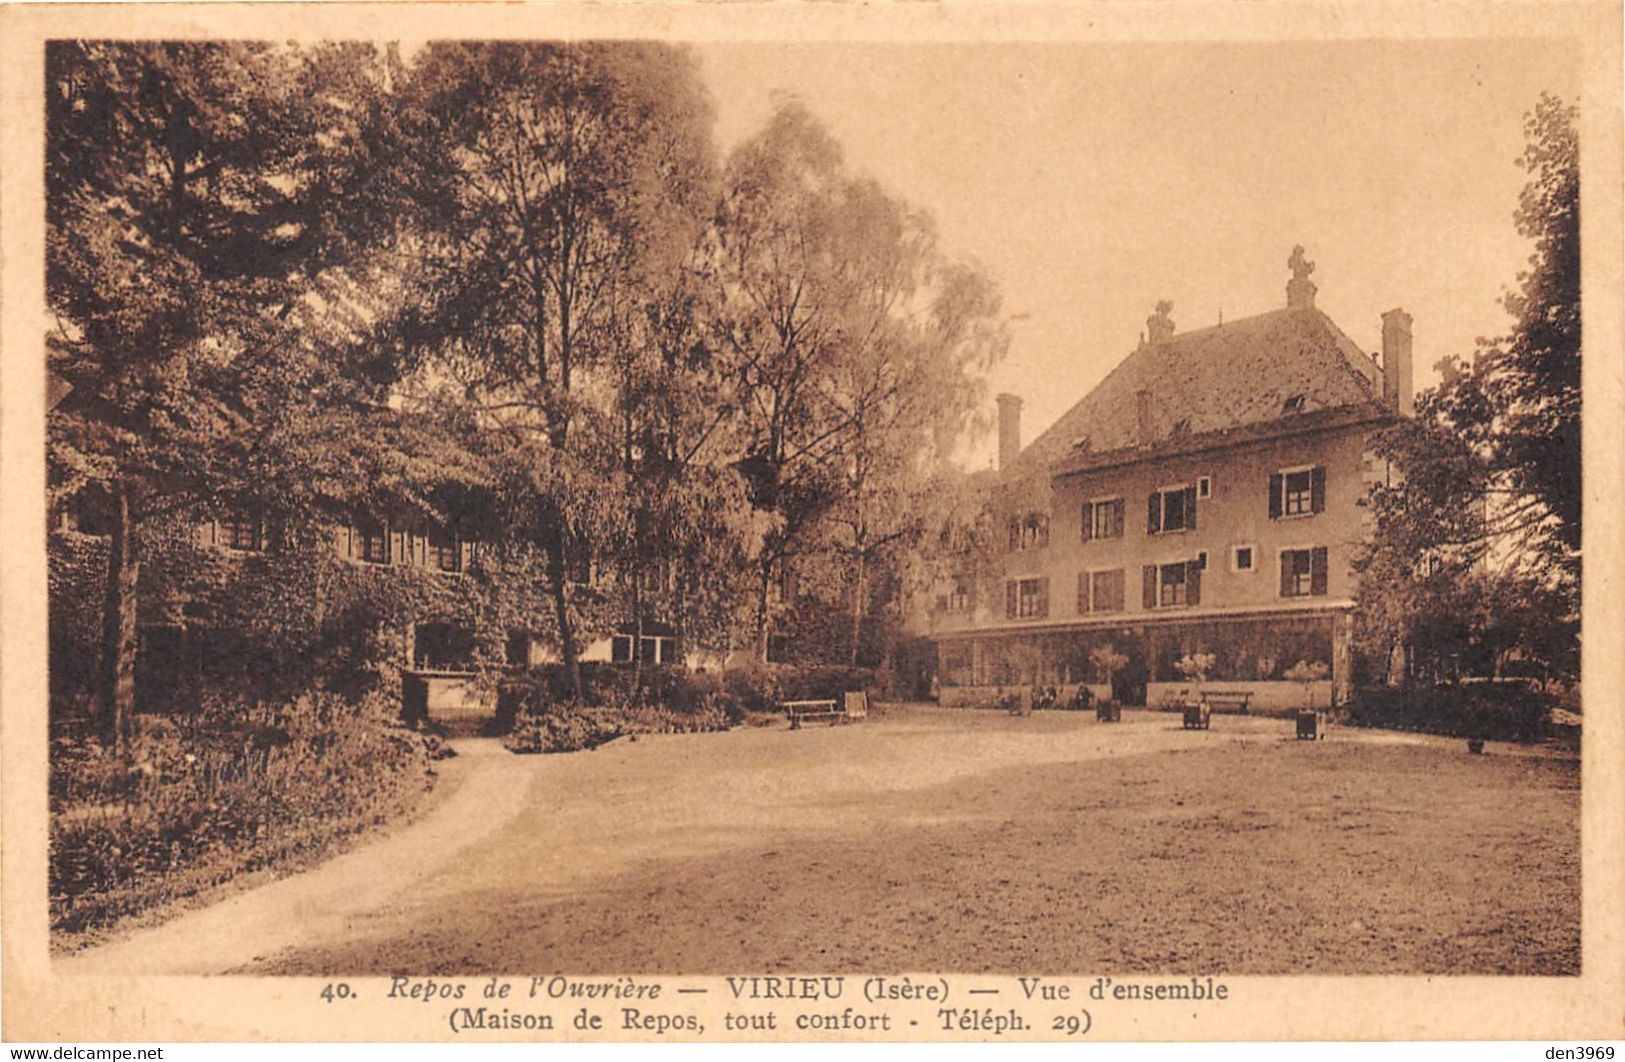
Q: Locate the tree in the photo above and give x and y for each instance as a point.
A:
(857, 345)
(1490, 466)
(196, 195)
(551, 186)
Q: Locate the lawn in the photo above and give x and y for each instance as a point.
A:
(981, 842)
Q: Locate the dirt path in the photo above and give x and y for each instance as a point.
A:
(520, 835)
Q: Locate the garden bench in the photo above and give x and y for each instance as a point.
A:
(818, 709)
(1228, 700)
(1174, 700)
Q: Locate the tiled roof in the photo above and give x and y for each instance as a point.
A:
(1234, 375)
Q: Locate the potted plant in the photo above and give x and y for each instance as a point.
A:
(1196, 667)
(1310, 721)
(1108, 661)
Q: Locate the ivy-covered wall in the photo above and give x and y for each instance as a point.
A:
(291, 617)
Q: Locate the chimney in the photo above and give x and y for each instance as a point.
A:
(1142, 409)
(1159, 326)
(1300, 290)
(1009, 429)
(1396, 362)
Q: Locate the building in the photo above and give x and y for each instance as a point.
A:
(1205, 497)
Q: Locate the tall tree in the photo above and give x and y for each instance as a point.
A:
(1489, 469)
(196, 192)
(857, 345)
(551, 185)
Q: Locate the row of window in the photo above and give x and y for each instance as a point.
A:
(1174, 585)
(1292, 493)
(369, 542)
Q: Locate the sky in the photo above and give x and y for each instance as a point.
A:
(1091, 180)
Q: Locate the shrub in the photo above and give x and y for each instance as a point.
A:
(1495, 711)
(231, 787)
(569, 728)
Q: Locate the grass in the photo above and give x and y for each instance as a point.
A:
(979, 842)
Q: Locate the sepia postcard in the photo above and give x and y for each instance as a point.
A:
(712, 522)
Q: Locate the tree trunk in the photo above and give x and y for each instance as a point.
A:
(857, 613)
(558, 575)
(764, 584)
(119, 624)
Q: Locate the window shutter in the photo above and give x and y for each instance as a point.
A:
(1088, 520)
(397, 546)
(1148, 586)
(1010, 599)
(1117, 518)
(1190, 508)
(1083, 592)
(1043, 531)
(1317, 489)
(1193, 582)
(1286, 573)
(465, 554)
(1043, 596)
(1153, 514)
(1317, 571)
(208, 532)
(1015, 533)
(1275, 496)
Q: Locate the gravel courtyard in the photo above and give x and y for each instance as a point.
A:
(954, 841)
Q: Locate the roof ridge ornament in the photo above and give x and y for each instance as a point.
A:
(1300, 290)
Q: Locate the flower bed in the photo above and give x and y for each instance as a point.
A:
(230, 789)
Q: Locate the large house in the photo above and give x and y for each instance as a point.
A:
(1205, 497)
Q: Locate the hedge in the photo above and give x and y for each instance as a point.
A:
(1493, 711)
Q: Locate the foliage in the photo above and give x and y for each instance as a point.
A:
(1196, 667)
(1107, 661)
(200, 201)
(1491, 711)
(574, 728)
(210, 794)
(555, 191)
(1477, 545)
(1307, 671)
(857, 346)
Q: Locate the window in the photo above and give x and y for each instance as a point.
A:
(1241, 559)
(445, 551)
(372, 538)
(1026, 598)
(1204, 486)
(1172, 585)
(959, 596)
(1297, 492)
(241, 531)
(1303, 572)
(1029, 532)
(1171, 509)
(1102, 518)
(1101, 591)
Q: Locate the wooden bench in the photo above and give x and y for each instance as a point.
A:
(851, 706)
(1228, 700)
(1175, 700)
(798, 711)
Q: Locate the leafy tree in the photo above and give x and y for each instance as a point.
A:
(550, 186)
(197, 195)
(1487, 491)
(857, 346)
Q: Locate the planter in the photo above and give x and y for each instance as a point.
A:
(1109, 712)
(1311, 725)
